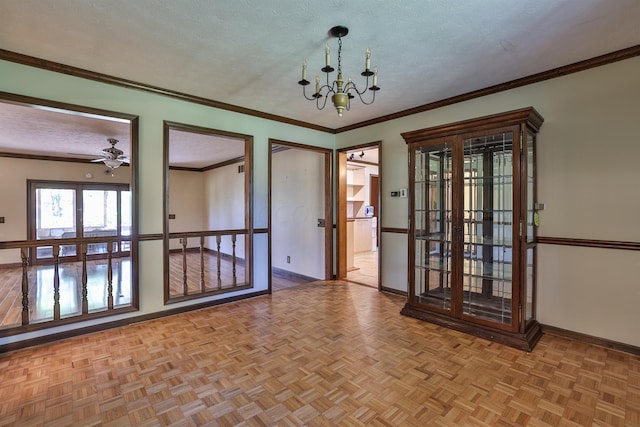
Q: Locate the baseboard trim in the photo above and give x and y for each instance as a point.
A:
(10, 265)
(18, 345)
(213, 252)
(590, 339)
(393, 291)
(290, 275)
(188, 250)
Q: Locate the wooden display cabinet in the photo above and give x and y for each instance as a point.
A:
(472, 233)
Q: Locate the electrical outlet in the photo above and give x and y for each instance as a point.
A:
(288, 259)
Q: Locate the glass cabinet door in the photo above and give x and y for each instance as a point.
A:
(487, 206)
(433, 225)
(472, 226)
(531, 222)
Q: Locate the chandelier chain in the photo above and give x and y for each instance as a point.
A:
(339, 55)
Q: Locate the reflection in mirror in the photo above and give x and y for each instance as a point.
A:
(207, 215)
(65, 244)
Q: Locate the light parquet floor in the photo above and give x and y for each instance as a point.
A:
(367, 269)
(41, 298)
(41, 289)
(176, 273)
(318, 354)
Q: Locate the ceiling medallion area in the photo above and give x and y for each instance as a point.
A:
(341, 93)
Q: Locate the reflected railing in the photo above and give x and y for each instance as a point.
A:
(206, 262)
(60, 289)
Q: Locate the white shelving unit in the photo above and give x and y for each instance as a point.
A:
(355, 191)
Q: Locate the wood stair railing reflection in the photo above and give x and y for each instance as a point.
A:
(202, 250)
(26, 246)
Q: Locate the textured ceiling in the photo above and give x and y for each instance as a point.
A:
(58, 133)
(249, 52)
(50, 132)
(196, 150)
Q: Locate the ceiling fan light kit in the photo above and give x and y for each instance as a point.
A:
(341, 93)
(112, 157)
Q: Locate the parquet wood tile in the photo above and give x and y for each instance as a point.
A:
(317, 354)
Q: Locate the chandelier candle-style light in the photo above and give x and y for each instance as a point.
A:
(342, 93)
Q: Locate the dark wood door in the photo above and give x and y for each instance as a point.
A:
(374, 197)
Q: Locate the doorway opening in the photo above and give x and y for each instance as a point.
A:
(359, 214)
(300, 214)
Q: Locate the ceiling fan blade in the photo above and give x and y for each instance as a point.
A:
(108, 155)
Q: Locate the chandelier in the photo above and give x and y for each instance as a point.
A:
(341, 93)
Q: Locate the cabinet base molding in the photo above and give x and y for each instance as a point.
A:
(525, 341)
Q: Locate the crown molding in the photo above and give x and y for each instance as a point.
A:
(598, 61)
(57, 67)
(501, 87)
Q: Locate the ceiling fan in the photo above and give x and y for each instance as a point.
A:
(112, 157)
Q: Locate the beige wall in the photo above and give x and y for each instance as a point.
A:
(186, 202)
(224, 205)
(210, 200)
(588, 180)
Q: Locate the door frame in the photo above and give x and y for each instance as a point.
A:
(376, 209)
(341, 232)
(328, 203)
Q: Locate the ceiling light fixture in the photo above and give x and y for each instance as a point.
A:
(112, 157)
(342, 93)
(112, 163)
